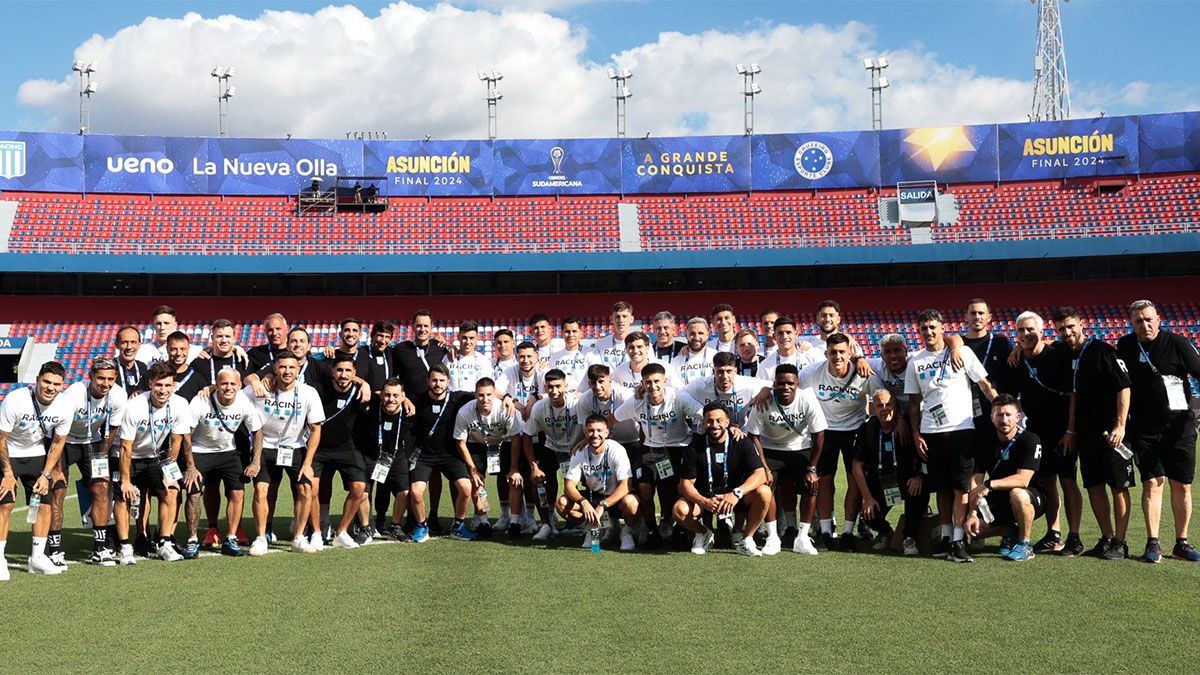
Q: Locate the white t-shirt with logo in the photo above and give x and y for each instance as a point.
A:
(946, 400)
(788, 427)
(766, 367)
(624, 431)
(562, 426)
(519, 387)
(466, 370)
(893, 382)
(30, 426)
(715, 344)
(574, 365)
(148, 427)
(86, 416)
(666, 425)
(624, 376)
(694, 366)
(600, 473)
(287, 414)
(843, 399)
(215, 426)
(491, 429)
(737, 402)
(611, 350)
(501, 367)
(544, 352)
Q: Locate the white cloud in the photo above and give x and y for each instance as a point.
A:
(410, 71)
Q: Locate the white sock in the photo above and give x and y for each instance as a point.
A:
(39, 547)
(773, 529)
(958, 534)
(827, 525)
(3, 543)
(789, 519)
(847, 526)
(945, 530)
(804, 527)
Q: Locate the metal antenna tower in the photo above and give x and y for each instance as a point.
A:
(1051, 93)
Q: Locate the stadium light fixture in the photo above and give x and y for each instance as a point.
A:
(86, 88)
(750, 89)
(224, 93)
(624, 93)
(492, 97)
(878, 83)
(868, 64)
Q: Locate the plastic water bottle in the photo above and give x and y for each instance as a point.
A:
(483, 496)
(985, 511)
(543, 499)
(1122, 449)
(594, 533)
(35, 501)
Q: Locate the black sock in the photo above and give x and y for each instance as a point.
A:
(1152, 540)
(457, 522)
(1054, 534)
(54, 542)
(122, 542)
(99, 538)
(1181, 541)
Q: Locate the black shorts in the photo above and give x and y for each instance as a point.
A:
(644, 472)
(999, 501)
(837, 443)
(26, 470)
(270, 472)
(397, 480)
(983, 440)
(951, 459)
(1055, 463)
(789, 465)
(220, 466)
(80, 454)
(146, 474)
(344, 459)
(547, 460)
(479, 457)
(1099, 464)
(452, 468)
(1170, 452)
(616, 511)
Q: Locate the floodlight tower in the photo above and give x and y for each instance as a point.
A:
(1051, 93)
(623, 95)
(878, 83)
(493, 97)
(86, 89)
(224, 93)
(750, 89)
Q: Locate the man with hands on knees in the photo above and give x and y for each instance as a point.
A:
(888, 473)
(602, 466)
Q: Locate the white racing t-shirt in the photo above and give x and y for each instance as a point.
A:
(666, 425)
(544, 352)
(946, 400)
(736, 402)
(716, 344)
(766, 367)
(788, 428)
(600, 473)
(216, 424)
(624, 376)
(519, 387)
(287, 414)
(149, 427)
(30, 425)
(466, 370)
(574, 365)
(499, 368)
(624, 431)
(843, 399)
(694, 366)
(562, 426)
(611, 350)
(893, 382)
(492, 429)
(88, 419)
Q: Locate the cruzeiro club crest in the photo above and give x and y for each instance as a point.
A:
(814, 160)
(12, 159)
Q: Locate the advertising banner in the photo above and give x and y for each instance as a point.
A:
(1068, 148)
(965, 154)
(41, 162)
(562, 166)
(435, 168)
(686, 164)
(817, 160)
(1169, 142)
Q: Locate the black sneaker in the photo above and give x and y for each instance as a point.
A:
(1184, 551)
(1051, 543)
(1117, 550)
(514, 531)
(942, 548)
(483, 531)
(435, 527)
(958, 553)
(681, 539)
(654, 540)
(822, 541)
(789, 537)
(1099, 549)
(141, 546)
(394, 531)
(1072, 547)
(846, 544)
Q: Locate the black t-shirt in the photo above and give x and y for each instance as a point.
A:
(882, 453)
(312, 373)
(131, 378)
(412, 363)
(263, 355)
(433, 427)
(396, 431)
(342, 408)
(748, 369)
(1169, 355)
(374, 366)
(669, 352)
(1097, 375)
(1043, 383)
(187, 384)
(992, 350)
(1023, 452)
(215, 364)
(703, 462)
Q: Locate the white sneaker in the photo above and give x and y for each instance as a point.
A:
(910, 547)
(59, 559)
(587, 540)
(127, 557)
(316, 542)
(258, 547)
(167, 552)
(543, 533)
(627, 538)
(4, 573)
(749, 548)
(502, 524)
(772, 546)
(701, 542)
(528, 526)
(300, 545)
(344, 540)
(804, 545)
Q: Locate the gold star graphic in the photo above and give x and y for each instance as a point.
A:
(938, 144)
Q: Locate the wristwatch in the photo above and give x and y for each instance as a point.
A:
(599, 505)
(988, 484)
(737, 492)
(812, 469)
(45, 475)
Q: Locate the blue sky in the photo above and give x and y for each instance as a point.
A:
(1123, 57)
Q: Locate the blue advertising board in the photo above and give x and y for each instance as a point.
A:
(1169, 142)
(1101, 146)
(41, 162)
(686, 164)
(963, 154)
(816, 160)
(562, 166)
(436, 168)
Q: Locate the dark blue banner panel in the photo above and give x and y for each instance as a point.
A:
(686, 164)
(818, 160)
(435, 168)
(41, 162)
(1169, 142)
(965, 154)
(563, 166)
(1103, 146)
